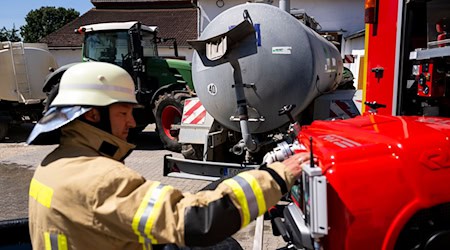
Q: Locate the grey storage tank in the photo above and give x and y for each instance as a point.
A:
(290, 65)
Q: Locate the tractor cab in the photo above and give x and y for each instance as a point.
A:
(124, 44)
(160, 82)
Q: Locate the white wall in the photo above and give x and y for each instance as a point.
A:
(349, 45)
(66, 56)
(333, 15)
(355, 47)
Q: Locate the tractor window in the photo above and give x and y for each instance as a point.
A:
(149, 44)
(112, 47)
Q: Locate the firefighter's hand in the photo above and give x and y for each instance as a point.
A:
(295, 163)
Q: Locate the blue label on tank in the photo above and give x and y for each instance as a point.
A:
(258, 33)
(257, 28)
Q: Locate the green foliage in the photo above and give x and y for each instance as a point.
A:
(44, 21)
(9, 35)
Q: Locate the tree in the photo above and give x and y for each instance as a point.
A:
(9, 35)
(44, 21)
(4, 34)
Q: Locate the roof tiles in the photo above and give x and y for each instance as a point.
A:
(180, 23)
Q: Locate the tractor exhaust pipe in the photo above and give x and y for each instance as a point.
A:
(285, 5)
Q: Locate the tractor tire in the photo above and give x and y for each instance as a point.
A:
(4, 126)
(168, 112)
(192, 151)
(50, 97)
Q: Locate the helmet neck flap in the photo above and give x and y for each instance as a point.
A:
(104, 123)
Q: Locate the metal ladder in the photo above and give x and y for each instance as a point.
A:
(19, 65)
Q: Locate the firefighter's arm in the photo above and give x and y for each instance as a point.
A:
(234, 204)
(128, 207)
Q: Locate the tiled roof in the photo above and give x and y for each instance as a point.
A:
(133, 4)
(180, 23)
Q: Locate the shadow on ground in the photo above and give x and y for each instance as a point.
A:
(145, 140)
(18, 133)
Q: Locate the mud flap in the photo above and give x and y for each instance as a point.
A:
(202, 170)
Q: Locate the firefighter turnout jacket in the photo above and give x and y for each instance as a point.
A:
(82, 196)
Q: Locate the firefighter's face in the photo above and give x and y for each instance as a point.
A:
(121, 116)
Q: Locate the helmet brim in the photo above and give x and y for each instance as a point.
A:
(46, 131)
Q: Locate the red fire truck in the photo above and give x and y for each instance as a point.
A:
(382, 181)
(407, 56)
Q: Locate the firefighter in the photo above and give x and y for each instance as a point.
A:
(82, 196)
(443, 29)
(347, 79)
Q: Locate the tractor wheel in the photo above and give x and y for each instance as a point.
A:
(50, 97)
(168, 111)
(192, 151)
(4, 126)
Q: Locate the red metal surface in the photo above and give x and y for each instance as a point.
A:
(380, 51)
(421, 90)
(381, 170)
(434, 80)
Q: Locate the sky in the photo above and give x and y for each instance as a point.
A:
(14, 11)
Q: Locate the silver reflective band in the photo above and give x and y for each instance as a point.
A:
(90, 86)
(55, 118)
(148, 210)
(249, 195)
(54, 241)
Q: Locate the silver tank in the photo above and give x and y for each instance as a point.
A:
(292, 65)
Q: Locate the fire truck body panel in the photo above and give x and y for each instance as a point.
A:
(381, 51)
(395, 76)
(381, 170)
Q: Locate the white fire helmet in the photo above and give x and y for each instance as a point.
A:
(82, 86)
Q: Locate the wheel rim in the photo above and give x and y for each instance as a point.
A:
(170, 115)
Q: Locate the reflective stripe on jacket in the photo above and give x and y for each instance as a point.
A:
(83, 197)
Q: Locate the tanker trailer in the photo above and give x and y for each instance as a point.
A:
(256, 70)
(23, 69)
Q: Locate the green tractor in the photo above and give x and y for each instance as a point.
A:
(162, 85)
